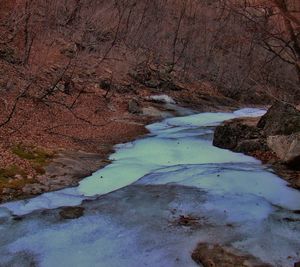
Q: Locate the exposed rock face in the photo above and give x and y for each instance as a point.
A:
(287, 148)
(281, 119)
(275, 139)
(251, 145)
(67, 169)
(239, 137)
(278, 130)
(218, 256)
(282, 126)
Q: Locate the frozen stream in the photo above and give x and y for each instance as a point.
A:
(132, 205)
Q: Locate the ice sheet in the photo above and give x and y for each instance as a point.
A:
(175, 171)
(182, 140)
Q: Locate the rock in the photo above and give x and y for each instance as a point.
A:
(71, 213)
(279, 144)
(274, 139)
(134, 107)
(287, 148)
(248, 146)
(281, 119)
(217, 256)
(230, 136)
(75, 164)
(225, 136)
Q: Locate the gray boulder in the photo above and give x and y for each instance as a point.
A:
(251, 145)
(238, 137)
(287, 148)
(281, 119)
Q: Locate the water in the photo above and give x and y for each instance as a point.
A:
(132, 206)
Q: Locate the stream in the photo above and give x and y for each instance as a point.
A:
(132, 206)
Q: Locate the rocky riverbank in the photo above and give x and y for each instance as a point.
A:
(62, 168)
(274, 138)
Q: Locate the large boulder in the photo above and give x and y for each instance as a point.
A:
(238, 137)
(215, 255)
(281, 119)
(287, 148)
(275, 139)
(251, 145)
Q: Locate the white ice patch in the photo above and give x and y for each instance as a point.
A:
(163, 98)
(250, 112)
(154, 153)
(170, 146)
(207, 119)
(51, 200)
(197, 120)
